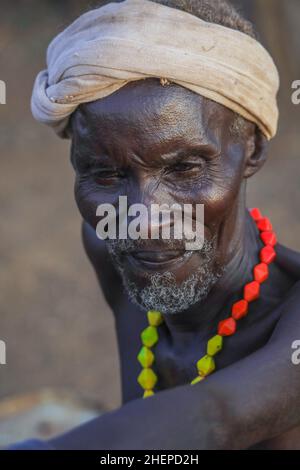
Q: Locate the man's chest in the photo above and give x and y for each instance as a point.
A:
(177, 364)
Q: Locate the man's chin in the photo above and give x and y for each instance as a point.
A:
(163, 293)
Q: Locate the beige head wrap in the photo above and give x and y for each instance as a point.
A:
(108, 47)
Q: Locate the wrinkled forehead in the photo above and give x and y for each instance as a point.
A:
(144, 111)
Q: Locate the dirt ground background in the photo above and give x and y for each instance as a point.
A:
(58, 330)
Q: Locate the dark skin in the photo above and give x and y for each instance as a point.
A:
(166, 144)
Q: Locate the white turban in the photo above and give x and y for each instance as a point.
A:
(108, 47)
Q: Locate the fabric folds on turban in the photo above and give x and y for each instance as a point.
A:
(108, 47)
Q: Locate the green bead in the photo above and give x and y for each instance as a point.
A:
(148, 393)
(206, 365)
(155, 318)
(145, 357)
(197, 379)
(214, 345)
(149, 336)
(147, 379)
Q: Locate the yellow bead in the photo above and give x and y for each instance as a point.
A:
(206, 365)
(147, 379)
(145, 357)
(197, 379)
(148, 393)
(149, 336)
(214, 345)
(155, 318)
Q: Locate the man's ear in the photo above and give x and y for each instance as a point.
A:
(256, 153)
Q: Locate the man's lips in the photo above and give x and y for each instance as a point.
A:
(157, 256)
(146, 259)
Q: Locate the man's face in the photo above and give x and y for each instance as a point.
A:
(159, 145)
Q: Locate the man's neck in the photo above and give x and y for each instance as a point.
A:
(197, 320)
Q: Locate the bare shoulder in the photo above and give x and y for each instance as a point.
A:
(107, 275)
(288, 260)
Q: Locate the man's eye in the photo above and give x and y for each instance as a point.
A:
(183, 167)
(188, 167)
(107, 177)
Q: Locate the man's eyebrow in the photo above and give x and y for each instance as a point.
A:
(207, 150)
(92, 156)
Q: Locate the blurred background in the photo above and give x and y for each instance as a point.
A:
(62, 358)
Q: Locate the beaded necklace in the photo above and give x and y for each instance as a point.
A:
(206, 364)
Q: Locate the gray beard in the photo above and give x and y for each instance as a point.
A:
(163, 292)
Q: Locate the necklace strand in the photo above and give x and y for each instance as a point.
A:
(206, 364)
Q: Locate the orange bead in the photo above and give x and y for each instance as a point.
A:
(256, 214)
(267, 254)
(239, 309)
(264, 225)
(251, 291)
(261, 272)
(269, 238)
(227, 327)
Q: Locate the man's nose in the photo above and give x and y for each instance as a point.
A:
(151, 204)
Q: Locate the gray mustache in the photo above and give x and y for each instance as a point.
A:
(127, 246)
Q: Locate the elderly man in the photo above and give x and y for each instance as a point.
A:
(174, 102)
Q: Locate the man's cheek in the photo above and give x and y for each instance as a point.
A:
(86, 203)
(218, 199)
(89, 197)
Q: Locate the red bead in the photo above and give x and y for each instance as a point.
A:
(256, 214)
(264, 225)
(227, 327)
(251, 291)
(267, 254)
(269, 238)
(239, 309)
(261, 272)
